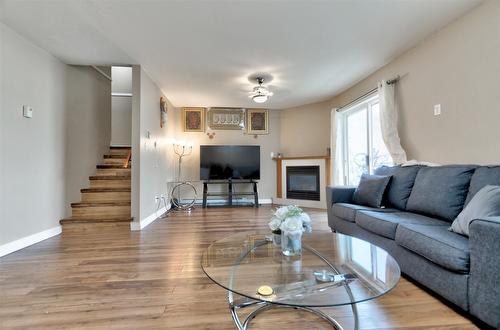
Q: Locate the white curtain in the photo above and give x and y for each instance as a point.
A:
(389, 122)
(336, 144)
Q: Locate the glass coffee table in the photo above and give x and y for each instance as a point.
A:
(333, 270)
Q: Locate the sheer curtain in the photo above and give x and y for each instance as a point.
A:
(389, 122)
(336, 144)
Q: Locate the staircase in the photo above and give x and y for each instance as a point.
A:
(107, 200)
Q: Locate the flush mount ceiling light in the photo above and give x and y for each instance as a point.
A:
(260, 94)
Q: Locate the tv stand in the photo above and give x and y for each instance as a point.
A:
(230, 193)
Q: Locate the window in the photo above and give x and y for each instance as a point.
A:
(363, 147)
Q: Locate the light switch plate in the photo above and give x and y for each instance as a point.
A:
(437, 109)
(27, 111)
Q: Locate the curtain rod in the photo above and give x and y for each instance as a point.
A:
(371, 91)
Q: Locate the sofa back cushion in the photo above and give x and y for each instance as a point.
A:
(440, 191)
(371, 189)
(399, 188)
(482, 177)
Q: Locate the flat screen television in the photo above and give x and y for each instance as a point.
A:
(229, 162)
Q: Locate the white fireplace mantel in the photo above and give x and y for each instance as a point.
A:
(324, 177)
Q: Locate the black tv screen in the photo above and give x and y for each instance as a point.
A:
(229, 162)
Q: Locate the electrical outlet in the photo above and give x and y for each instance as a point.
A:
(437, 109)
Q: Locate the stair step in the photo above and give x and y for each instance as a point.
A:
(99, 204)
(106, 194)
(112, 166)
(95, 220)
(109, 177)
(103, 190)
(115, 156)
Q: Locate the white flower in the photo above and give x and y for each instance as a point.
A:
(292, 225)
(281, 213)
(275, 223)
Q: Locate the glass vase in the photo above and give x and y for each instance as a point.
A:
(291, 243)
(276, 239)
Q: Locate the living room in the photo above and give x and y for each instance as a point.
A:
(315, 164)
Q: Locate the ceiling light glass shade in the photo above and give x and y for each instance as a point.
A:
(259, 98)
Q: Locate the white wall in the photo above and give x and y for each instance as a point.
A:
(44, 160)
(152, 158)
(121, 107)
(32, 151)
(459, 68)
(88, 123)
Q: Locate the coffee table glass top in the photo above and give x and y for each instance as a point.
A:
(333, 270)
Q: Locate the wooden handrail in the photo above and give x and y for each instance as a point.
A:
(126, 162)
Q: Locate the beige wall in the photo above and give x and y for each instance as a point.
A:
(37, 155)
(152, 159)
(305, 130)
(268, 143)
(459, 68)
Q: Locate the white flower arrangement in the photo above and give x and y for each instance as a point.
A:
(290, 219)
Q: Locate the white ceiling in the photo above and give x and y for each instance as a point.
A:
(201, 53)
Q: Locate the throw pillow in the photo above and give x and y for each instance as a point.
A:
(485, 203)
(370, 190)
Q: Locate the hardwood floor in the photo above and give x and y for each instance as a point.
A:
(110, 278)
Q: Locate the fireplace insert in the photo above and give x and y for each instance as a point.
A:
(302, 182)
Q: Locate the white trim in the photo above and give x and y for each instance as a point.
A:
(139, 225)
(29, 240)
(121, 94)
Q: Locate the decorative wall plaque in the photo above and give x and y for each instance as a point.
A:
(226, 118)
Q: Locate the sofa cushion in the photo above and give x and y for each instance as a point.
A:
(440, 191)
(399, 188)
(348, 211)
(386, 223)
(484, 204)
(437, 244)
(483, 176)
(371, 189)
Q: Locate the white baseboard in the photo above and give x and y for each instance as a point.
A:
(29, 240)
(139, 225)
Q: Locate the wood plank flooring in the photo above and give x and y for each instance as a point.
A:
(110, 278)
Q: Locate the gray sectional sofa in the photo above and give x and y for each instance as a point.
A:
(420, 204)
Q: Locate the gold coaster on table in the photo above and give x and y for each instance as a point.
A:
(265, 290)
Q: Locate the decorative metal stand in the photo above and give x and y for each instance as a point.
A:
(182, 150)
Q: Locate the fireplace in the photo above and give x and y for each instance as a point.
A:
(302, 182)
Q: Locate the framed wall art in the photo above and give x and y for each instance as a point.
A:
(193, 119)
(257, 121)
(226, 118)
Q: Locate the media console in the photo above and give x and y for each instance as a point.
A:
(230, 192)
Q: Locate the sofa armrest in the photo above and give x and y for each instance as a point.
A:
(337, 194)
(484, 282)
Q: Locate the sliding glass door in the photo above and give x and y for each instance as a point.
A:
(364, 148)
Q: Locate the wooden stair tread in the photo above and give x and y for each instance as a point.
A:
(117, 166)
(115, 156)
(100, 204)
(101, 190)
(96, 220)
(110, 177)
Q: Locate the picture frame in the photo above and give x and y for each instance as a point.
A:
(258, 121)
(193, 119)
(226, 118)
